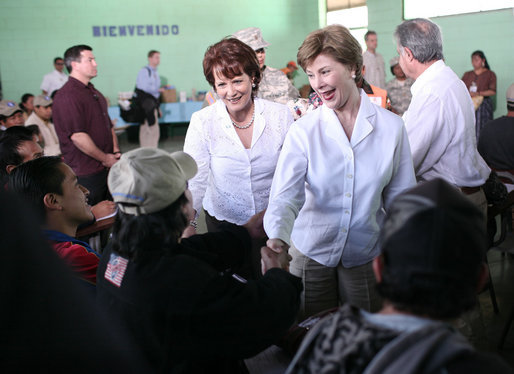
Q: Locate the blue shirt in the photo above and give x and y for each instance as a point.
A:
(149, 81)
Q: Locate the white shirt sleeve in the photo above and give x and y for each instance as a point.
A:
(45, 84)
(287, 190)
(424, 123)
(195, 145)
(403, 172)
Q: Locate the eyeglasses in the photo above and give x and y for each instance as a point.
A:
(59, 63)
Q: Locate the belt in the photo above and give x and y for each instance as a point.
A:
(469, 190)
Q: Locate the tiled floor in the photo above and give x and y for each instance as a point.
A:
(502, 272)
(501, 267)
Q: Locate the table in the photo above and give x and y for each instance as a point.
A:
(171, 113)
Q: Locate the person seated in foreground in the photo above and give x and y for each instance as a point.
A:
(18, 145)
(496, 142)
(51, 187)
(180, 300)
(429, 271)
(52, 325)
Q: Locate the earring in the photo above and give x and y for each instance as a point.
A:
(354, 76)
(253, 85)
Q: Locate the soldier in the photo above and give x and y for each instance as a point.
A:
(398, 88)
(274, 85)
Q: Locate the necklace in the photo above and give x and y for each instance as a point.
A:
(244, 126)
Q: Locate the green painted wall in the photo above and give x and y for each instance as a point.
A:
(491, 32)
(33, 32)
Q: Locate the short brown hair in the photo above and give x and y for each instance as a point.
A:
(231, 57)
(334, 41)
(152, 52)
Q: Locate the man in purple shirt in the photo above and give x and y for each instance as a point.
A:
(88, 142)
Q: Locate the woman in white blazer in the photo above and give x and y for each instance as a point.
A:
(236, 141)
(339, 170)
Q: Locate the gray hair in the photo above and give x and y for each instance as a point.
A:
(422, 37)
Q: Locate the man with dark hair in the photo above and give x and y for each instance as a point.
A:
(54, 80)
(88, 142)
(148, 90)
(10, 115)
(179, 297)
(496, 142)
(41, 118)
(430, 269)
(440, 120)
(51, 187)
(373, 61)
(17, 145)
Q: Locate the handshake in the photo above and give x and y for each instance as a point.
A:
(270, 258)
(275, 254)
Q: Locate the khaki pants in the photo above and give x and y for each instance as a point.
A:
(326, 287)
(149, 135)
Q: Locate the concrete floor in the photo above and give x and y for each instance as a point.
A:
(501, 267)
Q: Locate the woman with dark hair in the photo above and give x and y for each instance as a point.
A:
(481, 83)
(340, 168)
(236, 141)
(180, 298)
(27, 105)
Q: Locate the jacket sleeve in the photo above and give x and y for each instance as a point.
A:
(238, 320)
(228, 248)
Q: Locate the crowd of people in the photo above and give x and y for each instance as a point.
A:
(336, 203)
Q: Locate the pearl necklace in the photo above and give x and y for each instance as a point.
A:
(244, 126)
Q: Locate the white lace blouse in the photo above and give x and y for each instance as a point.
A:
(231, 184)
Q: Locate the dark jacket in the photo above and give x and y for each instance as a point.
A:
(190, 315)
(148, 104)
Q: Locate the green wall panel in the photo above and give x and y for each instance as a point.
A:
(33, 32)
(491, 32)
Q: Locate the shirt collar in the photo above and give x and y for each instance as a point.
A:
(60, 237)
(432, 71)
(78, 83)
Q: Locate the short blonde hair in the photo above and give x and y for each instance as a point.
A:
(334, 41)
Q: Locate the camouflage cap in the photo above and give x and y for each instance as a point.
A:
(394, 61)
(251, 36)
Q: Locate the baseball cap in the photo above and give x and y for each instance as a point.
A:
(8, 108)
(147, 180)
(510, 95)
(42, 100)
(394, 61)
(433, 231)
(251, 36)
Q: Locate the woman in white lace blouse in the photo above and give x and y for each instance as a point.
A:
(236, 141)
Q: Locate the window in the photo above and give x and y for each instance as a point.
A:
(437, 8)
(355, 19)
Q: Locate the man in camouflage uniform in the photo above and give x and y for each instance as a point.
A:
(274, 85)
(398, 88)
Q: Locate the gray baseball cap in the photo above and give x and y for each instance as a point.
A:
(42, 100)
(147, 180)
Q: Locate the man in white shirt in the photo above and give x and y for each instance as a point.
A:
(54, 80)
(41, 116)
(373, 61)
(440, 121)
